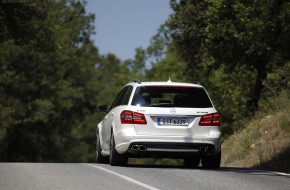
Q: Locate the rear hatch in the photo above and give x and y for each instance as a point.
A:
(172, 110)
(182, 122)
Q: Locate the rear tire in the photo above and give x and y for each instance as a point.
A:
(116, 159)
(99, 157)
(211, 162)
(191, 162)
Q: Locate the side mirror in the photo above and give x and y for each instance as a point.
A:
(103, 108)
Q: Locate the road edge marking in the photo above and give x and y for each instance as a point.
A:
(124, 177)
(268, 171)
(281, 173)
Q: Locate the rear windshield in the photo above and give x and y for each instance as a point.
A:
(171, 96)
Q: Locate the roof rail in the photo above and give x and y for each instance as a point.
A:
(135, 81)
(195, 82)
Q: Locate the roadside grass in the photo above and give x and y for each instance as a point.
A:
(264, 141)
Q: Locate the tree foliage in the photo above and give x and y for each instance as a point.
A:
(279, 79)
(230, 46)
(158, 61)
(47, 79)
(52, 78)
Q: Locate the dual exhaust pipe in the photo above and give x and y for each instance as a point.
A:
(206, 149)
(203, 149)
(139, 147)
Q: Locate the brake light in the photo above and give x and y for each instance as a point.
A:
(129, 117)
(139, 118)
(210, 120)
(126, 117)
(174, 87)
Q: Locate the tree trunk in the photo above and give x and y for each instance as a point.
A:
(255, 96)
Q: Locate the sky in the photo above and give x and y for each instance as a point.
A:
(123, 25)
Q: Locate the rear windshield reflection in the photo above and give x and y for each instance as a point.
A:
(171, 96)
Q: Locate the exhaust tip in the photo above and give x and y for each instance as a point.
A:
(206, 149)
(135, 147)
(202, 149)
(142, 148)
(210, 149)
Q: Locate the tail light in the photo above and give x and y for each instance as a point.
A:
(126, 117)
(129, 117)
(210, 120)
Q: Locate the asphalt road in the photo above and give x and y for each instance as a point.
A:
(39, 176)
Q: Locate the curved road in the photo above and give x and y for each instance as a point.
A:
(38, 176)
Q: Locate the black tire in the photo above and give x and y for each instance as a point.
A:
(211, 162)
(116, 159)
(99, 157)
(191, 162)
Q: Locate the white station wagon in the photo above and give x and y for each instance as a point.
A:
(163, 120)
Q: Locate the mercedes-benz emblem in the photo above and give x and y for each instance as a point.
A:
(172, 110)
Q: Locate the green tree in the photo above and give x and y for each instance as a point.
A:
(171, 67)
(158, 62)
(113, 74)
(279, 79)
(222, 37)
(47, 80)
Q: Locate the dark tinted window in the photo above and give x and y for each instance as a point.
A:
(127, 96)
(119, 98)
(171, 96)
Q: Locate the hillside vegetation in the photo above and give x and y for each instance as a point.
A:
(265, 141)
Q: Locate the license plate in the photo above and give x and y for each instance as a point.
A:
(172, 121)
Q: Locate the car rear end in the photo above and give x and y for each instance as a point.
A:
(169, 120)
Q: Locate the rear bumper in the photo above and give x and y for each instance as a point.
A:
(169, 149)
(167, 146)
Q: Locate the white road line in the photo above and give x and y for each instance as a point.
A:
(124, 177)
(281, 173)
(277, 173)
